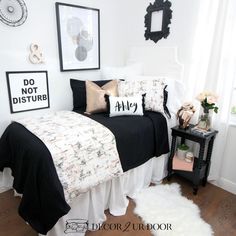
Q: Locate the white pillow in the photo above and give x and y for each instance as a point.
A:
(121, 73)
(125, 106)
(154, 90)
(176, 94)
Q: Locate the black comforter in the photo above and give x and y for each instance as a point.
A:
(138, 138)
(43, 203)
(35, 177)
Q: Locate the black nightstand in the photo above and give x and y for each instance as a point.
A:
(201, 164)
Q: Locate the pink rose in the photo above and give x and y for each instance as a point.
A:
(211, 99)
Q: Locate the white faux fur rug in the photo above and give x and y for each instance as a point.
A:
(163, 204)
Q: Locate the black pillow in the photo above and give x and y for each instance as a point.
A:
(79, 92)
(165, 103)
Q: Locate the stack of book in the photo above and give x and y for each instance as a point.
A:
(179, 164)
(201, 131)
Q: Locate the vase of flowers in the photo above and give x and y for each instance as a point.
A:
(208, 102)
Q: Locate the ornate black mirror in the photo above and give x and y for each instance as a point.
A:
(157, 19)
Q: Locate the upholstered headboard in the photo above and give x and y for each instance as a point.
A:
(157, 61)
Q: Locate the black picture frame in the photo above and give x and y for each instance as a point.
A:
(78, 40)
(17, 79)
(158, 6)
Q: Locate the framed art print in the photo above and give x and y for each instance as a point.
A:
(28, 90)
(78, 31)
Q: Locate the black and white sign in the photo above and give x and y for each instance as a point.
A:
(28, 90)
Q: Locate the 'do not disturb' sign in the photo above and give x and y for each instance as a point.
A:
(28, 90)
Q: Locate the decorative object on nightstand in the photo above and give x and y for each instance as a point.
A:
(189, 157)
(198, 170)
(208, 102)
(182, 150)
(182, 165)
(185, 114)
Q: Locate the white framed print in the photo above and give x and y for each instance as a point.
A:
(78, 30)
(27, 90)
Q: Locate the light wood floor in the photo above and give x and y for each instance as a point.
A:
(218, 208)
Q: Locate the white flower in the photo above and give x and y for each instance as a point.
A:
(201, 97)
(211, 99)
(210, 96)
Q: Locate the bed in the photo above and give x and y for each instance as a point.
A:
(87, 210)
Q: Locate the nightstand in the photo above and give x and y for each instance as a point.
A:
(201, 165)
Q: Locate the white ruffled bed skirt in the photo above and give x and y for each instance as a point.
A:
(6, 180)
(90, 206)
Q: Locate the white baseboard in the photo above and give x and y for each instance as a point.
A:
(226, 185)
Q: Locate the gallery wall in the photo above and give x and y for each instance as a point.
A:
(121, 26)
(40, 27)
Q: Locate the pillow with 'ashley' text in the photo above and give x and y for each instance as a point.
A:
(125, 106)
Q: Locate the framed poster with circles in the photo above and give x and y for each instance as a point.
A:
(78, 31)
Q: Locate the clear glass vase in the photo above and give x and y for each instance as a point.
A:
(204, 122)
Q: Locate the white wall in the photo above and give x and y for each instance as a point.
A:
(228, 176)
(40, 27)
(182, 27)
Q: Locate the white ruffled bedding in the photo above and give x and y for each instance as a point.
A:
(112, 194)
(89, 207)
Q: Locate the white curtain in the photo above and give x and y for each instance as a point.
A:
(213, 66)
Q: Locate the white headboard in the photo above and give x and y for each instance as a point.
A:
(157, 61)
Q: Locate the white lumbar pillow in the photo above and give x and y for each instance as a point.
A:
(125, 106)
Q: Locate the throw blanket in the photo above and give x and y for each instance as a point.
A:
(83, 151)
